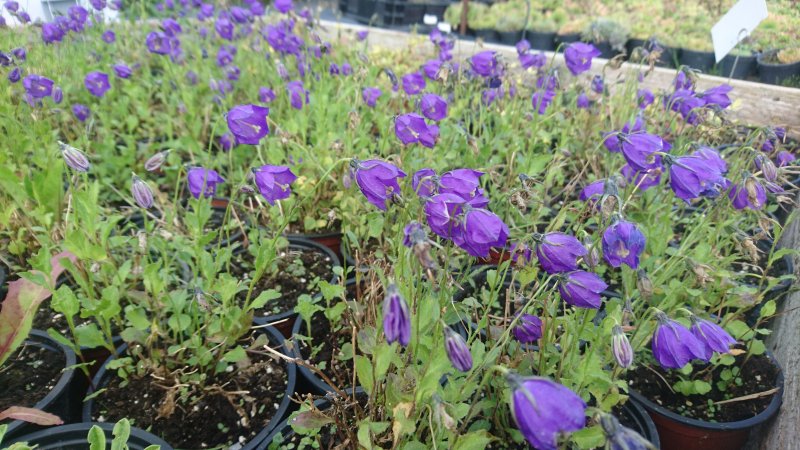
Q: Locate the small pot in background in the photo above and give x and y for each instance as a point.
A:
(776, 73)
(75, 437)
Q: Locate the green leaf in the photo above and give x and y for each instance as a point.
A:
(179, 322)
(330, 291)
(235, 355)
(591, 437)
(306, 307)
(757, 347)
(701, 387)
(477, 440)
(137, 316)
(122, 431)
(96, 438)
(364, 372)
(334, 313)
(767, 310)
(89, 336)
(264, 297)
(384, 353)
(375, 221)
(65, 302)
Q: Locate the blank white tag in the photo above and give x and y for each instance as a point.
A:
(736, 24)
(444, 27)
(430, 19)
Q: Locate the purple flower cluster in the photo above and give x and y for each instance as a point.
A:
(674, 345)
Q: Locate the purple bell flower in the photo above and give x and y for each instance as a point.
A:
(442, 212)
(109, 37)
(97, 83)
(558, 252)
(203, 182)
(621, 347)
(545, 410)
(158, 43)
(248, 123)
(77, 13)
(674, 345)
(396, 318)
(717, 96)
(431, 69)
(425, 183)
(784, 158)
(480, 231)
(37, 87)
(528, 60)
(224, 28)
(645, 98)
(362, 35)
(433, 107)
(11, 6)
(623, 242)
(74, 158)
(80, 111)
(598, 85)
(582, 289)
(414, 233)
(644, 179)
(266, 95)
(578, 57)
(15, 75)
(142, 194)
(20, 55)
(464, 182)
(593, 189)
(297, 94)
(485, 64)
(58, 95)
(371, 95)
(582, 101)
(612, 140)
(98, 4)
(457, 350)
(378, 180)
(750, 193)
(413, 83)
(122, 71)
(411, 128)
(226, 141)
(697, 175)
(640, 150)
(528, 329)
(283, 6)
(274, 182)
(712, 337)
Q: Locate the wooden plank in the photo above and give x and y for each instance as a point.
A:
(758, 104)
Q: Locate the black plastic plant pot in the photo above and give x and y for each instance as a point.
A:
(488, 35)
(700, 60)
(63, 400)
(280, 435)
(746, 67)
(678, 432)
(606, 52)
(776, 73)
(566, 39)
(669, 57)
(641, 421)
(275, 338)
(541, 40)
(509, 37)
(3, 279)
(284, 322)
(74, 437)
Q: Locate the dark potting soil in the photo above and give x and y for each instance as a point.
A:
(336, 437)
(298, 273)
(213, 419)
(324, 349)
(757, 375)
(29, 375)
(298, 228)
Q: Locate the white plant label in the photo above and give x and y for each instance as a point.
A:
(737, 24)
(430, 19)
(444, 27)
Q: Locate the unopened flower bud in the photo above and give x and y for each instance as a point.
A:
(621, 347)
(74, 158)
(644, 284)
(457, 350)
(247, 189)
(142, 193)
(396, 318)
(620, 437)
(751, 186)
(156, 161)
(767, 167)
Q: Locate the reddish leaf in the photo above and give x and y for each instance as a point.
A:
(20, 305)
(31, 415)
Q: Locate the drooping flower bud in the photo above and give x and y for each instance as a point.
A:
(528, 330)
(621, 347)
(767, 167)
(74, 158)
(142, 193)
(156, 161)
(713, 337)
(457, 350)
(622, 438)
(644, 284)
(396, 319)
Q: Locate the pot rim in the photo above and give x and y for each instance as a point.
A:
(639, 412)
(41, 338)
(763, 416)
(291, 379)
(84, 427)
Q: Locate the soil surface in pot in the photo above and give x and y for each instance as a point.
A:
(757, 375)
(29, 375)
(333, 437)
(298, 272)
(222, 416)
(298, 228)
(324, 349)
